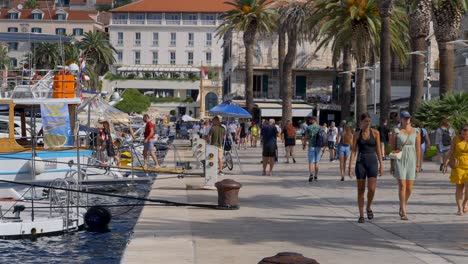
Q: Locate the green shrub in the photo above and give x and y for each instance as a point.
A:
(431, 152)
(133, 101)
(454, 107)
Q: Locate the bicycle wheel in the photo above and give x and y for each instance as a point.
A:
(228, 158)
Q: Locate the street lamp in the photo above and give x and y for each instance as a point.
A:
(462, 42)
(374, 84)
(425, 54)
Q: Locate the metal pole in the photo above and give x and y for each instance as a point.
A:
(428, 69)
(355, 101)
(375, 88)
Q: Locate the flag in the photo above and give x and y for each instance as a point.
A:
(82, 67)
(204, 73)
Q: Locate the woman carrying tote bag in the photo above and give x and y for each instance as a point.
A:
(404, 168)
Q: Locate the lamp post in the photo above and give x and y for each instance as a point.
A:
(427, 55)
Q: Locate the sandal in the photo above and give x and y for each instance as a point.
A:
(400, 212)
(370, 214)
(404, 217)
(361, 220)
(459, 213)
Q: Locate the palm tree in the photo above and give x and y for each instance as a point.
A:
(447, 15)
(356, 23)
(47, 55)
(98, 52)
(385, 11)
(71, 52)
(419, 13)
(251, 17)
(4, 59)
(294, 24)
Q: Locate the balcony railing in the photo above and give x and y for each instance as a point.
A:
(208, 22)
(119, 21)
(172, 22)
(189, 22)
(165, 22)
(137, 21)
(154, 21)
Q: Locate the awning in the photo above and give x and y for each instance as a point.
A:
(32, 37)
(275, 109)
(158, 68)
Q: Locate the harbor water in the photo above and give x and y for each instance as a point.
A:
(83, 246)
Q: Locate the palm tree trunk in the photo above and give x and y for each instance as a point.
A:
(249, 40)
(288, 74)
(447, 62)
(419, 24)
(361, 93)
(417, 74)
(281, 57)
(385, 9)
(447, 21)
(346, 90)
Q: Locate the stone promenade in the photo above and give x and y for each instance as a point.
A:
(285, 213)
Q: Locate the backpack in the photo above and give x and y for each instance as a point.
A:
(446, 138)
(423, 136)
(321, 139)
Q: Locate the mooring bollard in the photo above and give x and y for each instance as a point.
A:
(228, 194)
(288, 258)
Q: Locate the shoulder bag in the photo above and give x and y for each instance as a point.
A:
(396, 153)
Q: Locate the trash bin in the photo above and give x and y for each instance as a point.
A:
(288, 258)
(228, 194)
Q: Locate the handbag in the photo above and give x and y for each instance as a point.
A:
(396, 153)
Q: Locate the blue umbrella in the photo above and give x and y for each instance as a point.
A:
(229, 110)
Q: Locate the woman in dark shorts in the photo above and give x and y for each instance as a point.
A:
(367, 142)
(243, 136)
(289, 140)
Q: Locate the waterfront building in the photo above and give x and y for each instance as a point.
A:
(164, 47)
(58, 21)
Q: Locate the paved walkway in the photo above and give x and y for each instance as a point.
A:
(286, 213)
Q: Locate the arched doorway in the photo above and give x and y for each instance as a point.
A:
(211, 100)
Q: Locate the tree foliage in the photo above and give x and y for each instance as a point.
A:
(453, 106)
(133, 101)
(250, 17)
(4, 59)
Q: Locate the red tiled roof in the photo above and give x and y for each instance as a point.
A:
(203, 6)
(73, 15)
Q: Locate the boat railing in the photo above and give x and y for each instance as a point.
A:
(36, 84)
(63, 196)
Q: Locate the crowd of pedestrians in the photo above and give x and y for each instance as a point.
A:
(360, 150)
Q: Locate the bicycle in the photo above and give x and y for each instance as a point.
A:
(227, 160)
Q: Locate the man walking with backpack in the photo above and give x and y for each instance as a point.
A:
(443, 141)
(317, 138)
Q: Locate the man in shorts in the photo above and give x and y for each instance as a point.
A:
(215, 138)
(269, 134)
(148, 143)
(314, 152)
